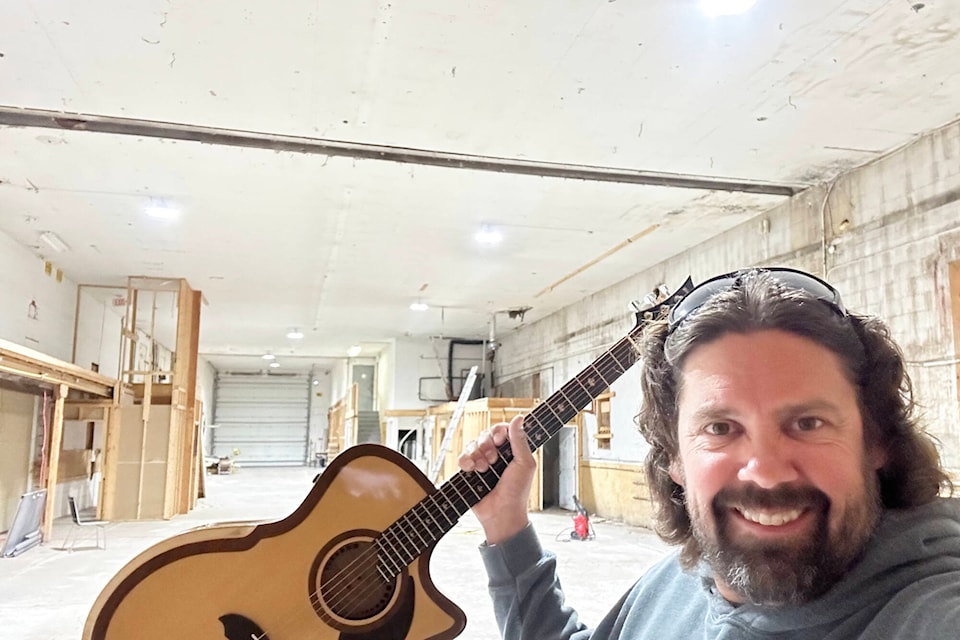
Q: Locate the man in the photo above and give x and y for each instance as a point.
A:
(785, 463)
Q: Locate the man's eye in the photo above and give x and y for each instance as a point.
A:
(809, 423)
(718, 428)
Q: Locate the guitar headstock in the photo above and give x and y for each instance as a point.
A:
(662, 308)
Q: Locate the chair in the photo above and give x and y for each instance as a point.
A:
(79, 523)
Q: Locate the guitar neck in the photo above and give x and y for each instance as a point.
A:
(435, 515)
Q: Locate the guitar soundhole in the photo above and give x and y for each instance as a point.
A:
(350, 586)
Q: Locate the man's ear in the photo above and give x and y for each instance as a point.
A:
(676, 471)
(876, 455)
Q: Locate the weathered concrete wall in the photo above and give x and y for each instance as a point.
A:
(884, 234)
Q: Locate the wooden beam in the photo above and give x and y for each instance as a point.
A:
(107, 507)
(22, 361)
(53, 466)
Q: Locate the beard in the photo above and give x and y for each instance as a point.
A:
(788, 572)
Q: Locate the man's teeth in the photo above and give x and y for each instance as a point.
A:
(769, 519)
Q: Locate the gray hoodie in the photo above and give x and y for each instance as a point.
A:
(906, 586)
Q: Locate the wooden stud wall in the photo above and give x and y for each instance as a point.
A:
(152, 465)
(617, 491)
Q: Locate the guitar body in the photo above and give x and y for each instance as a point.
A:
(311, 575)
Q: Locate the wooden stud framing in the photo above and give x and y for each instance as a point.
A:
(151, 463)
(53, 468)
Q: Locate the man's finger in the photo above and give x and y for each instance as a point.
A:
(518, 441)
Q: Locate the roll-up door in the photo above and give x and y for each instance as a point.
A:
(265, 417)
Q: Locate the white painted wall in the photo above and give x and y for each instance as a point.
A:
(891, 258)
(416, 359)
(23, 281)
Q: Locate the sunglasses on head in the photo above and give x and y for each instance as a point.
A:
(790, 278)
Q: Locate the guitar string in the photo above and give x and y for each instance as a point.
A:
(464, 482)
(373, 585)
(363, 562)
(590, 394)
(370, 554)
(340, 583)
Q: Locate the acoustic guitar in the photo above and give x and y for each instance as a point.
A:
(351, 563)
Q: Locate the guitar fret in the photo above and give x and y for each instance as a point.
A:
(453, 485)
(384, 555)
(632, 352)
(541, 435)
(597, 371)
(584, 389)
(437, 512)
(486, 487)
(412, 555)
(396, 556)
(570, 406)
(436, 504)
(415, 529)
(436, 531)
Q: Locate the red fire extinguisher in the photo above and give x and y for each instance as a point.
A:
(581, 523)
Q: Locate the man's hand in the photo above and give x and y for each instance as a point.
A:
(502, 513)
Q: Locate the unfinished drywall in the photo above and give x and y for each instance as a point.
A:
(16, 429)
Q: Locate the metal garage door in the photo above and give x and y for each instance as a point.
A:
(264, 416)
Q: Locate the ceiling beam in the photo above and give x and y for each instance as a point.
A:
(46, 119)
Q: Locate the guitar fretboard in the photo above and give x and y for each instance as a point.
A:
(436, 514)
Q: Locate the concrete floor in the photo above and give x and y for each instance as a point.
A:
(45, 594)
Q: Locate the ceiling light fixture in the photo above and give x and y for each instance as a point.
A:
(274, 365)
(268, 356)
(295, 334)
(419, 305)
(488, 235)
(162, 211)
(53, 241)
(354, 351)
(714, 8)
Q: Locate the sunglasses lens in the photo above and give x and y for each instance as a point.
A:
(790, 278)
(695, 299)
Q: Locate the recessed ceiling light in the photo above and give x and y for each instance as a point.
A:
(268, 356)
(419, 306)
(163, 212)
(274, 365)
(354, 351)
(726, 7)
(295, 334)
(488, 235)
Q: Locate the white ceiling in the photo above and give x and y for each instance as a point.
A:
(789, 94)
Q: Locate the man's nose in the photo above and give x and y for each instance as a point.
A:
(768, 462)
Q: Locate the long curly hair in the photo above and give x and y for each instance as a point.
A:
(912, 474)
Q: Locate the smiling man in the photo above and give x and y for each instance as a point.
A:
(785, 463)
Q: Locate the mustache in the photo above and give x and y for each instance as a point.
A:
(782, 496)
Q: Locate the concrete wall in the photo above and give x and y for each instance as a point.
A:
(885, 235)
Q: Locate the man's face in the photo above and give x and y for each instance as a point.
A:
(781, 492)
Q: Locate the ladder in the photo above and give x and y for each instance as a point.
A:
(454, 423)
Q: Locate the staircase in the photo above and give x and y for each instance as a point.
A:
(368, 427)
